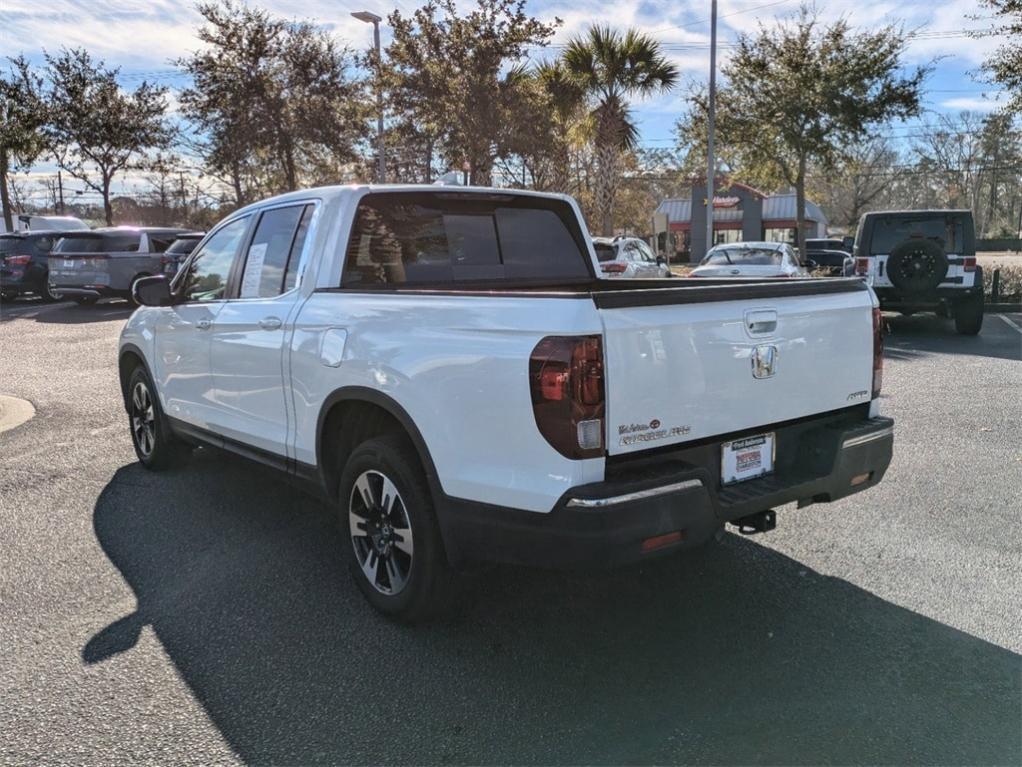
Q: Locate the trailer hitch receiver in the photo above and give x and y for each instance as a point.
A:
(760, 522)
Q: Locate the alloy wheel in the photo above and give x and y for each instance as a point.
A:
(381, 532)
(143, 419)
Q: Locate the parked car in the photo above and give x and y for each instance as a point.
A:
(628, 257)
(750, 259)
(923, 260)
(829, 263)
(30, 223)
(179, 250)
(24, 263)
(449, 372)
(104, 263)
(832, 243)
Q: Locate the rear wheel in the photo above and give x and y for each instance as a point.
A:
(386, 511)
(47, 293)
(155, 446)
(969, 315)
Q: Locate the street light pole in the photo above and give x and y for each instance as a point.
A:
(381, 162)
(711, 118)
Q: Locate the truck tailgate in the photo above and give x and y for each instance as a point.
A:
(683, 365)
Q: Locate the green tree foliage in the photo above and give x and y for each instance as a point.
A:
(453, 78)
(22, 115)
(611, 68)
(95, 128)
(272, 102)
(1005, 66)
(798, 93)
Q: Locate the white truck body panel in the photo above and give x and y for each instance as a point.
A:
(690, 366)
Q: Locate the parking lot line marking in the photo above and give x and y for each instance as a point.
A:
(1010, 322)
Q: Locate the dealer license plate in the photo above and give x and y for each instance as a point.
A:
(746, 458)
(69, 263)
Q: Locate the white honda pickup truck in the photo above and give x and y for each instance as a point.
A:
(444, 366)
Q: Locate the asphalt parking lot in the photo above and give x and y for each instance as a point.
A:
(205, 615)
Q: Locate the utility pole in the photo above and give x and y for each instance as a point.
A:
(371, 18)
(711, 118)
(60, 192)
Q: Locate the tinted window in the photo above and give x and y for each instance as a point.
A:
(183, 246)
(946, 231)
(44, 244)
(408, 238)
(745, 256)
(100, 243)
(293, 263)
(14, 245)
(205, 279)
(158, 243)
(269, 251)
(605, 252)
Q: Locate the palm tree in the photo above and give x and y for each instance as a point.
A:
(566, 98)
(612, 67)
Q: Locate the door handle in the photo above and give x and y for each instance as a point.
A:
(270, 323)
(203, 324)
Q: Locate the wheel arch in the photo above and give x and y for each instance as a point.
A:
(130, 357)
(377, 413)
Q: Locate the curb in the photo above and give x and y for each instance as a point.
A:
(14, 412)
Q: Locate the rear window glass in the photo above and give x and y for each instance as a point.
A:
(14, 245)
(183, 246)
(605, 252)
(746, 256)
(418, 238)
(100, 243)
(946, 231)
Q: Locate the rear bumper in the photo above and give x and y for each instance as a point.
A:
(606, 523)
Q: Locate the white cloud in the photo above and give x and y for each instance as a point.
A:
(972, 104)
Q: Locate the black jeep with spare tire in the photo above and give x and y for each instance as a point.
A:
(923, 261)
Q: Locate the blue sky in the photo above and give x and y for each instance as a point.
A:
(142, 36)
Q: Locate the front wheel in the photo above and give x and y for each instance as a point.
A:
(47, 293)
(969, 315)
(398, 559)
(155, 446)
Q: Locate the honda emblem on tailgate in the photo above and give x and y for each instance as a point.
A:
(764, 361)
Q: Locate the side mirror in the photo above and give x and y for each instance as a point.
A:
(810, 264)
(661, 261)
(152, 291)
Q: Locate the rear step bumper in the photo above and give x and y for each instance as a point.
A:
(621, 521)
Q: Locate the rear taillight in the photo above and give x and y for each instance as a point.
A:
(969, 263)
(18, 260)
(862, 266)
(878, 352)
(614, 268)
(566, 379)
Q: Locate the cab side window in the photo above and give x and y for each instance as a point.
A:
(205, 278)
(272, 257)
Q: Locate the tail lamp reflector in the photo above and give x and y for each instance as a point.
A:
(614, 268)
(566, 382)
(969, 263)
(862, 266)
(878, 351)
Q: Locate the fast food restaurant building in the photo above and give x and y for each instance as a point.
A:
(739, 213)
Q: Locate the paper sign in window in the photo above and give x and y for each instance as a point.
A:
(253, 271)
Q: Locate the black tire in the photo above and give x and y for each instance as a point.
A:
(156, 447)
(46, 294)
(917, 266)
(406, 580)
(85, 300)
(969, 315)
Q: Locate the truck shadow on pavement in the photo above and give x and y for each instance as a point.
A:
(66, 313)
(925, 334)
(733, 654)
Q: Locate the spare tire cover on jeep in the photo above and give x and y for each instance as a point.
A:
(917, 265)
